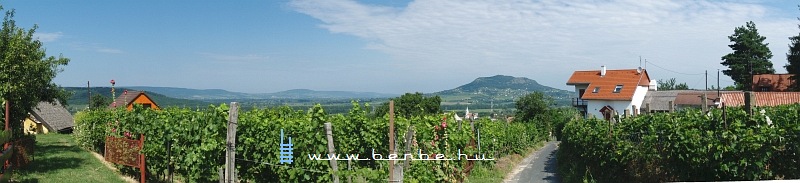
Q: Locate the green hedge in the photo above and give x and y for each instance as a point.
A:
(684, 146)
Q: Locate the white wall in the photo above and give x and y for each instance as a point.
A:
(594, 106)
(638, 97)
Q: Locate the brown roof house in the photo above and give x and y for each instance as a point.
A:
(601, 91)
(49, 117)
(127, 99)
(772, 82)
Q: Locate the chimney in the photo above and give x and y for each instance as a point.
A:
(639, 70)
(602, 71)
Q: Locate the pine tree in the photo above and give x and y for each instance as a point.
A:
(750, 56)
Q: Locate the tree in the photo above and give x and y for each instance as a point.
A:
(99, 101)
(531, 106)
(750, 56)
(793, 67)
(670, 85)
(412, 104)
(27, 73)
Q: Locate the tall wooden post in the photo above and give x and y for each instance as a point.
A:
(391, 139)
(749, 102)
(671, 106)
(704, 102)
(230, 152)
(331, 151)
(142, 165)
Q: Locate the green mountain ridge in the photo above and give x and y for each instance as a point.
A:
(216, 94)
(498, 91)
(80, 97)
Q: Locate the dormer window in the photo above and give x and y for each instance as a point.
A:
(596, 89)
(618, 89)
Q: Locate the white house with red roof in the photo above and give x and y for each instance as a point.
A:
(602, 91)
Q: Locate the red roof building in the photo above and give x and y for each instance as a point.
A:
(772, 82)
(617, 90)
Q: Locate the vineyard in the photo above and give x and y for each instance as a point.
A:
(191, 143)
(684, 146)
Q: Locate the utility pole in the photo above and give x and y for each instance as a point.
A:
(718, 86)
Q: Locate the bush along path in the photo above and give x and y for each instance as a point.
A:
(684, 146)
(539, 166)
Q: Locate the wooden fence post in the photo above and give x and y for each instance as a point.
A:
(391, 140)
(409, 140)
(230, 155)
(142, 165)
(671, 106)
(331, 151)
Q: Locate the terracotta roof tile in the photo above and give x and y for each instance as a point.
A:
(762, 98)
(628, 78)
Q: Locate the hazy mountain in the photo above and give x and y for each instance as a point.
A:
(197, 94)
(305, 94)
(500, 90)
(212, 94)
(80, 97)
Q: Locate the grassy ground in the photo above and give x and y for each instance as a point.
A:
(496, 171)
(58, 159)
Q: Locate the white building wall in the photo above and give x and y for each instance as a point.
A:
(638, 97)
(594, 106)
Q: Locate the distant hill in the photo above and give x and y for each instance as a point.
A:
(500, 91)
(214, 94)
(311, 94)
(80, 97)
(196, 94)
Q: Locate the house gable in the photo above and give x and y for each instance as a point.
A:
(136, 97)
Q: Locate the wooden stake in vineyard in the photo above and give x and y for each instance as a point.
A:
(391, 140)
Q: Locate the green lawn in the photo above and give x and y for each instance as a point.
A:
(58, 159)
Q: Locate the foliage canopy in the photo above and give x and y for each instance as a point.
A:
(750, 56)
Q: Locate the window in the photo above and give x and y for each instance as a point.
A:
(596, 89)
(764, 88)
(618, 89)
(147, 106)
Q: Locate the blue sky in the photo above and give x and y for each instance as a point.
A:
(390, 46)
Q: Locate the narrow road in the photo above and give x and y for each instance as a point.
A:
(539, 166)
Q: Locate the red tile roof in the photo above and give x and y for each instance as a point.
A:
(628, 78)
(762, 98)
(773, 82)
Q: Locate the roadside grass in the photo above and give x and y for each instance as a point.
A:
(496, 171)
(57, 159)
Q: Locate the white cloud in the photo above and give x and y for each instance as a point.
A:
(47, 37)
(95, 47)
(234, 58)
(524, 37)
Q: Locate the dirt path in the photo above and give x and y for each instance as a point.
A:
(539, 166)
